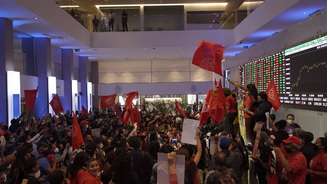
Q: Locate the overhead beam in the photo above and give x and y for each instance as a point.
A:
(232, 6)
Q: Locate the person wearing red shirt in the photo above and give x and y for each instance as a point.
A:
(318, 165)
(293, 161)
(249, 101)
(85, 171)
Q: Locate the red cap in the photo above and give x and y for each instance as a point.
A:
(293, 140)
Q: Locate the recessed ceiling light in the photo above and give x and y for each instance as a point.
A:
(69, 6)
(36, 18)
(223, 4)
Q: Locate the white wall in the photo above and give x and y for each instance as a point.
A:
(60, 87)
(158, 38)
(28, 82)
(313, 121)
(147, 71)
(156, 88)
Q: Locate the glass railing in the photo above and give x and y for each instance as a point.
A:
(160, 18)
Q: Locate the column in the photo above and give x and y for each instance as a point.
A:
(94, 76)
(142, 19)
(83, 78)
(67, 65)
(42, 56)
(27, 47)
(6, 60)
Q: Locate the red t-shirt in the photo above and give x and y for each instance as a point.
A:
(84, 177)
(298, 166)
(248, 102)
(319, 163)
(231, 104)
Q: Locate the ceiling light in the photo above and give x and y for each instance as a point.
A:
(252, 2)
(35, 18)
(69, 6)
(169, 4)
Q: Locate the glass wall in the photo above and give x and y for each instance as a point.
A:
(160, 18)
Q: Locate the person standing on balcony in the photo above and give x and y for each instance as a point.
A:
(110, 21)
(124, 21)
(95, 23)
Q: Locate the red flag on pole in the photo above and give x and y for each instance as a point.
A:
(135, 115)
(30, 96)
(126, 116)
(204, 115)
(56, 104)
(180, 110)
(209, 57)
(129, 97)
(130, 113)
(77, 138)
(107, 101)
(273, 95)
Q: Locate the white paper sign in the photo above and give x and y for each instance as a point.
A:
(163, 172)
(189, 131)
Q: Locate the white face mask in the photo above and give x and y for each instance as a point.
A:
(37, 174)
(101, 146)
(56, 150)
(289, 121)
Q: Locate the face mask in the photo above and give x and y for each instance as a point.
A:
(37, 174)
(56, 150)
(289, 121)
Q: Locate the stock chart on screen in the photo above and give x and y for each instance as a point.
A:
(300, 74)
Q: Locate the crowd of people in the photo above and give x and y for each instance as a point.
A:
(37, 151)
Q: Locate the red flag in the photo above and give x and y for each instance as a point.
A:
(129, 97)
(209, 56)
(216, 106)
(126, 116)
(273, 95)
(135, 115)
(107, 101)
(30, 96)
(179, 109)
(77, 138)
(204, 115)
(56, 104)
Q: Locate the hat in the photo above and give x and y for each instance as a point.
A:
(225, 142)
(292, 140)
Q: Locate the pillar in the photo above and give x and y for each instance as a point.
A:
(94, 76)
(27, 47)
(6, 60)
(142, 18)
(42, 57)
(67, 65)
(83, 78)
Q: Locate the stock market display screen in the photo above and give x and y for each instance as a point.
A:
(306, 76)
(300, 74)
